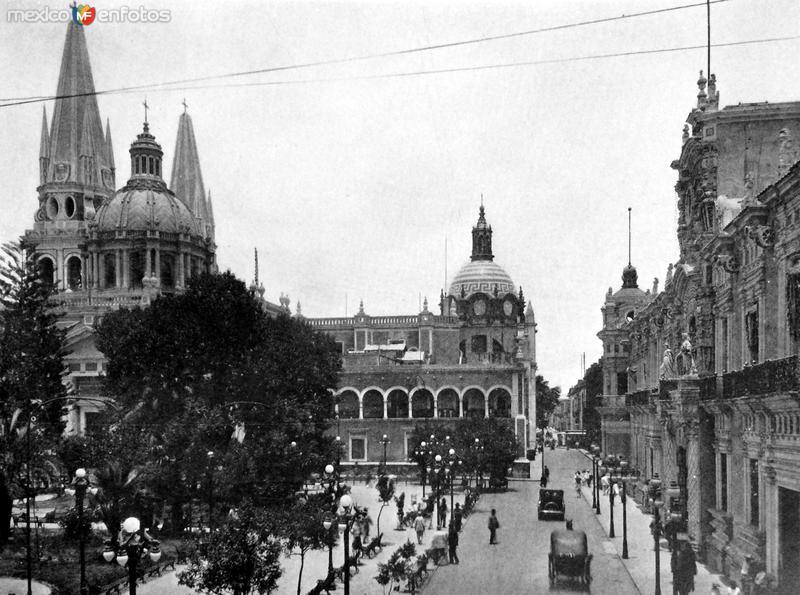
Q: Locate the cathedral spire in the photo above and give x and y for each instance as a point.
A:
(109, 148)
(44, 149)
(210, 216)
(482, 238)
(187, 179)
(77, 127)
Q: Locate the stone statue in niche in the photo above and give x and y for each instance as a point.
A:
(687, 366)
(667, 369)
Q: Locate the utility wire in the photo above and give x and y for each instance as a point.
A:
(38, 99)
(473, 68)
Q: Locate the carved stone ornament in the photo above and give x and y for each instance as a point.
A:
(763, 235)
(728, 262)
(62, 171)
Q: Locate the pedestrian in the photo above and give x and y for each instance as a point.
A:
(543, 480)
(442, 513)
(547, 473)
(494, 525)
(366, 524)
(419, 527)
(684, 568)
(452, 542)
(458, 515)
(589, 478)
(734, 589)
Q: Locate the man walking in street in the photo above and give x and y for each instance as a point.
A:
(458, 515)
(452, 542)
(494, 525)
(419, 527)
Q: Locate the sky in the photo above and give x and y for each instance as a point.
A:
(351, 183)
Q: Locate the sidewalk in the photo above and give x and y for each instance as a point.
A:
(18, 586)
(641, 555)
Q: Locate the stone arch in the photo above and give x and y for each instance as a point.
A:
(500, 402)
(422, 403)
(397, 402)
(348, 404)
(448, 402)
(372, 404)
(167, 271)
(74, 272)
(474, 402)
(137, 268)
(47, 270)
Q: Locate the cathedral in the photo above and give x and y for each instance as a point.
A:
(104, 248)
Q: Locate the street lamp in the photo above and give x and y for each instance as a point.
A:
(81, 483)
(134, 543)
(338, 443)
(346, 521)
(611, 494)
(594, 476)
(437, 470)
(657, 531)
(624, 499)
(210, 455)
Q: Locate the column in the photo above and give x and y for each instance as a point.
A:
(95, 270)
(461, 405)
(118, 268)
(385, 407)
(85, 271)
(410, 411)
(360, 406)
(485, 405)
(179, 276)
(126, 269)
(158, 268)
(102, 271)
(430, 341)
(147, 263)
(435, 406)
(59, 272)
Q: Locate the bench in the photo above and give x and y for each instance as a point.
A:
(374, 547)
(327, 584)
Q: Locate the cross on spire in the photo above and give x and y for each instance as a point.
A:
(145, 109)
(185, 106)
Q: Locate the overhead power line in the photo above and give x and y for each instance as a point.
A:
(11, 101)
(473, 68)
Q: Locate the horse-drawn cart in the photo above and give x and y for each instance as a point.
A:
(569, 557)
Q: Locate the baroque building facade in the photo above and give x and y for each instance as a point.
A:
(102, 247)
(475, 358)
(701, 379)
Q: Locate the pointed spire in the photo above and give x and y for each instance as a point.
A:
(87, 151)
(187, 178)
(210, 216)
(109, 147)
(44, 149)
(76, 118)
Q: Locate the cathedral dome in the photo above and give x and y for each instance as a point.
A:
(145, 209)
(145, 203)
(481, 276)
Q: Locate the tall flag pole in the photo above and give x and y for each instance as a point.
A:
(629, 236)
(708, 27)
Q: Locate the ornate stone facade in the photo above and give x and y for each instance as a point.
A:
(721, 418)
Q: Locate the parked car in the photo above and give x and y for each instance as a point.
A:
(551, 505)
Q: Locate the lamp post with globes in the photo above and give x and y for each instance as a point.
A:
(385, 441)
(346, 519)
(81, 484)
(134, 542)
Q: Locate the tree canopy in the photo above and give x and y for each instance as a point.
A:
(546, 400)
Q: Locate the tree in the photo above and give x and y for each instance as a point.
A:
(593, 381)
(385, 488)
(546, 400)
(195, 368)
(496, 450)
(302, 527)
(32, 393)
(241, 557)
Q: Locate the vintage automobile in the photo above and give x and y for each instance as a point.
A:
(569, 557)
(551, 505)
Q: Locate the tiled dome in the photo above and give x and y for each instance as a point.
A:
(145, 209)
(481, 276)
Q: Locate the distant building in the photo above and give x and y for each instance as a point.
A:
(475, 358)
(701, 379)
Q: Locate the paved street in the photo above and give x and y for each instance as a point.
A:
(518, 564)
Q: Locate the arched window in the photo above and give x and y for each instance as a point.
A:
(422, 403)
(110, 265)
(46, 271)
(499, 403)
(397, 405)
(74, 281)
(348, 405)
(136, 268)
(372, 404)
(167, 271)
(474, 403)
(447, 403)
